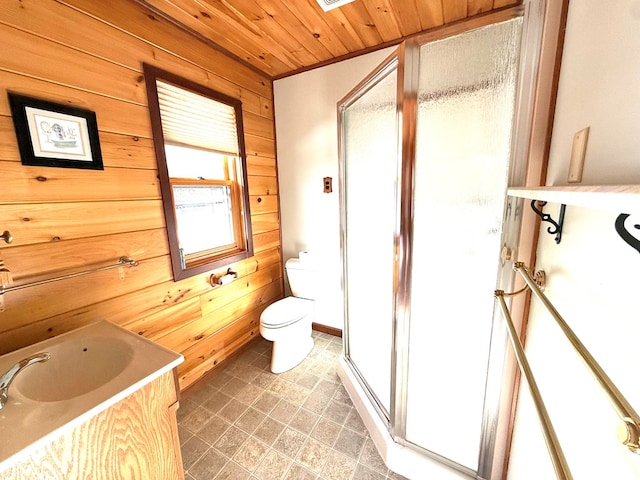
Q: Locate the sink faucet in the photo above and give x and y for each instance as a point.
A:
(7, 378)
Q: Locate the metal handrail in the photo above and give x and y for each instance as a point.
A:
(629, 433)
(558, 459)
(122, 261)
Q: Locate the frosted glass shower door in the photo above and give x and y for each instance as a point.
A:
(466, 96)
(369, 206)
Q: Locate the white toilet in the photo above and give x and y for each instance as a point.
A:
(287, 322)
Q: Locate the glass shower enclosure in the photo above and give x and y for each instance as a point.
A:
(426, 155)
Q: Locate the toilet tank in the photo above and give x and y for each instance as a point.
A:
(303, 278)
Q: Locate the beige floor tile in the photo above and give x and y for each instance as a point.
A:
(298, 472)
(326, 431)
(284, 411)
(230, 441)
(371, 458)
(220, 380)
(211, 431)
(291, 375)
(251, 454)
(232, 471)
(396, 476)
(234, 385)
(341, 395)
(184, 435)
(249, 394)
(326, 387)
(304, 421)
(247, 423)
(317, 402)
(247, 373)
(202, 394)
(337, 411)
(350, 443)
(273, 467)
(313, 455)
(233, 410)
(269, 430)
(261, 362)
(338, 467)
(186, 407)
(266, 402)
(365, 473)
(196, 419)
(354, 422)
(192, 450)
(250, 420)
(217, 402)
(208, 466)
(264, 379)
(308, 380)
(289, 442)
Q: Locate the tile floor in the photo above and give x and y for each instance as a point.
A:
(249, 424)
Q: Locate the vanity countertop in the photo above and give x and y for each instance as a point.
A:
(91, 369)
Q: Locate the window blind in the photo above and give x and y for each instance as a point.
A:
(192, 119)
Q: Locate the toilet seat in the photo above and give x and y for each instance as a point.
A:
(285, 312)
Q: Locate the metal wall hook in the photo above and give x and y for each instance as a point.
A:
(6, 236)
(625, 234)
(556, 227)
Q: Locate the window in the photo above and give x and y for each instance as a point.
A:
(199, 146)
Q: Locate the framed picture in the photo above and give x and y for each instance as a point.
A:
(54, 135)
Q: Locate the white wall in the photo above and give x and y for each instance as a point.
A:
(592, 275)
(307, 136)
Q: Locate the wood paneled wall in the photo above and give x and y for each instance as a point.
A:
(89, 53)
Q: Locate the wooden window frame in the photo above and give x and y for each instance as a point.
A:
(243, 246)
(236, 215)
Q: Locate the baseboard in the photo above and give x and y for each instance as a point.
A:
(336, 332)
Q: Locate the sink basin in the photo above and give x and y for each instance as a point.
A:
(76, 367)
(90, 369)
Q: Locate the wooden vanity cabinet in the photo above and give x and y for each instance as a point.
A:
(135, 439)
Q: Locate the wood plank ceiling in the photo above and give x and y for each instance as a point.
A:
(282, 37)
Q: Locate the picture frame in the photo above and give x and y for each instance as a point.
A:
(54, 135)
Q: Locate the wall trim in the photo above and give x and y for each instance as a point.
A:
(336, 332)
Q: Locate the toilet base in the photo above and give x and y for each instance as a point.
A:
(290, 352)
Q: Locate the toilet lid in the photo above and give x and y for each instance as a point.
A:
(285, 312)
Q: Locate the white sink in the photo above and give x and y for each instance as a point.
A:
(90, 369)
(76, 367)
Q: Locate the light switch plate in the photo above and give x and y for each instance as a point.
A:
(578, 152)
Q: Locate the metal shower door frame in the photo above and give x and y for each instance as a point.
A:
(406, 60)
(388, 66)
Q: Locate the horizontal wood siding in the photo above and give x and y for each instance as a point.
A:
(89, 54)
